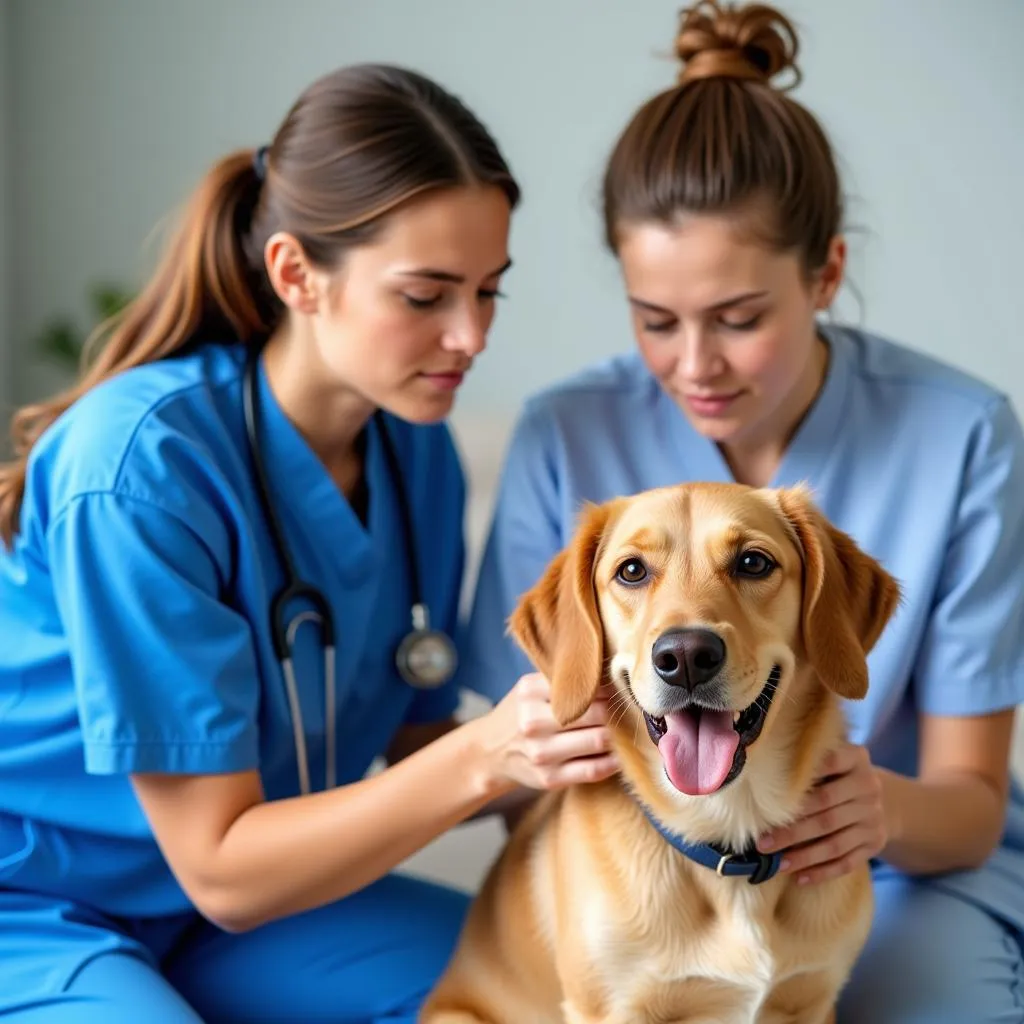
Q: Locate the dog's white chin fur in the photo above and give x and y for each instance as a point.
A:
(760, 798)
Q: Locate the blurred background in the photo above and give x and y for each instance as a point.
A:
(111, 110)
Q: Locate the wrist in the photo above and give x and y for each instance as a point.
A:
(892, 788)
(481, 760)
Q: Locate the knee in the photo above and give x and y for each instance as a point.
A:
(434, 919)
(935, 959)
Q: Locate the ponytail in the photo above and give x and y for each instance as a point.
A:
(358, 143)
(204, 283)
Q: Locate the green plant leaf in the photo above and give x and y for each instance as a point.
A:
(60, 341)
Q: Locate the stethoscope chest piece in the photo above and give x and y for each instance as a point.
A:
(426, 658)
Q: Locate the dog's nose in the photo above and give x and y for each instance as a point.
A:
(688, 657)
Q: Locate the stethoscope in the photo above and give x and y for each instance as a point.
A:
(425, 658)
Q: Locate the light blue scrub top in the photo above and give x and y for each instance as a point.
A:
(134, 614)
(922, 464)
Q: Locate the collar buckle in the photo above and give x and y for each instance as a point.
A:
(758, 867)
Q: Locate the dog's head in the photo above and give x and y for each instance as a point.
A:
(715, 610)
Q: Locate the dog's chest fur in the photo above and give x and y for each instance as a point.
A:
(684, 939)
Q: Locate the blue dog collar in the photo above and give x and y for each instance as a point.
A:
(759, 867)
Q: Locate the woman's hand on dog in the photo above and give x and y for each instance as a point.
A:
(524, 745)
(842, 823)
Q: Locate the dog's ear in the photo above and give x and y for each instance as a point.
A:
(847, 596)
(557, 622)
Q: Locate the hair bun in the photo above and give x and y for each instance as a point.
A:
(751, 42)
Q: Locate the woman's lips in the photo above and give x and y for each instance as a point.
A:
(711, 406)
(444, 381)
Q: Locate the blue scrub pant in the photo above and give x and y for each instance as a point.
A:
(368, 959)
(934, 958)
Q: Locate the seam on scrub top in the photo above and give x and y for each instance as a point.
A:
(140, 499)
(121, 744)
(985, 403)
(128, 756)
(144, 957)
(159, 404)
(1005, 683)
(129, 443)
(235, 746)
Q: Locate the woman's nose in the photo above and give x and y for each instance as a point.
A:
(700, 359)
(468, 333)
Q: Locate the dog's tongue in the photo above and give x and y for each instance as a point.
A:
(698, 748)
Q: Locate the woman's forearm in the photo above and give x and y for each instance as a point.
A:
(244, 861)
(334, 843)
(938, 825)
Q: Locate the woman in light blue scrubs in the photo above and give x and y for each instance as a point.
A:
(185, 837)
(723, 207)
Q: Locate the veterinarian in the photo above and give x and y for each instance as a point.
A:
(231, 564)
(723, 205)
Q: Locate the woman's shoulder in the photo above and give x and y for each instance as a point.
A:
(614, 388)
(132, 432)
(904, 373)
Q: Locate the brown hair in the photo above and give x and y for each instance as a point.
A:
(724, 137)
(358, 143)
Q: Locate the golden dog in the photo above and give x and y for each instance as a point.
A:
(729, 620)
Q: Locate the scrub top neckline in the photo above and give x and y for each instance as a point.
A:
(311, 503)
(810, 447)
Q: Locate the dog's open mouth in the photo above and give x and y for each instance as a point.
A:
(705, 749)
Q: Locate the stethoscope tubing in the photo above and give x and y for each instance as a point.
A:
(283, 630)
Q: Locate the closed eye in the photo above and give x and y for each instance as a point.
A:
(743, 325)
(417, 302)
(660, 327)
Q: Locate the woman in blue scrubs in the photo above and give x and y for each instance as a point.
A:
(184, 835)
(723, 206)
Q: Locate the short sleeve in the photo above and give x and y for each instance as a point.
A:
(444, 551)
(524, 535)
(972, 655)
(164, 669)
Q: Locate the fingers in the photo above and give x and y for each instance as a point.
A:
(534, 710)
(546, 755)
(582, 770)
(840, 790)
(813, 827)
(564, 746)
(570, 757)
(829, 849)
(845, 758)
(596, 714)
(533, 684)
(815, 864)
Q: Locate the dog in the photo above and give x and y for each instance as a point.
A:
(730, 621)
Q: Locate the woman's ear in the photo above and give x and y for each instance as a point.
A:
(558, 625)
(829, 279)
(847, 596)
(295, 281)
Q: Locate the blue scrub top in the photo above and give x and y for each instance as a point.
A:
(921, 463)
(134, 611)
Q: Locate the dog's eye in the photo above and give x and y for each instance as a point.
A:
(632, 571)
(754, 565)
